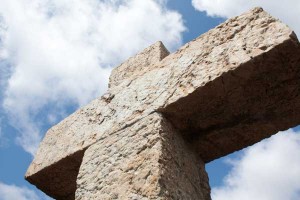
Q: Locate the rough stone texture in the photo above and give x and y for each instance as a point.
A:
(62, 176)
(227, 89)
(256, 94)
(48, 167)
(148, 160)
(138, 65)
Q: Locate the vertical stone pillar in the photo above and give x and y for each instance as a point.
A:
(148, 160)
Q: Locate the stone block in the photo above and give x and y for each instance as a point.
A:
(139, 64)
(148, 160)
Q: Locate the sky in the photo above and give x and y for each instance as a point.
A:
(56, 55)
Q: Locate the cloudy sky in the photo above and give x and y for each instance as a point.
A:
(56, 55)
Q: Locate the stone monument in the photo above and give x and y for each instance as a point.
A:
(165, 115)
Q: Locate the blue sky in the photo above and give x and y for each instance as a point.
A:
(56, 56)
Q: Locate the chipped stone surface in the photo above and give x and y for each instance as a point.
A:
(148, 160)
(223, 91)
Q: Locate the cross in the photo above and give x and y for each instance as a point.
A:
(166, 115)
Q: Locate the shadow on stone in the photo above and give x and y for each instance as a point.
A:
(62, 176)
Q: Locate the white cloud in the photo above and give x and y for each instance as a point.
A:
(287, 11)
(268, 170)
(60, 52)
(12, 192)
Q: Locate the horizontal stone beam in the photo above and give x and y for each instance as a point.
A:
(231, 85)
(242, 106)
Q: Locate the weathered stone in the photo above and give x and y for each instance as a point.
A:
(48, 167)
(61, 176)
(148, 160)
(227, 89)
(138, 65)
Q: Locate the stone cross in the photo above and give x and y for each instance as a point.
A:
(166, 115)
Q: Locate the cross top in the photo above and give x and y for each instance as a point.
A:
(166, 115)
